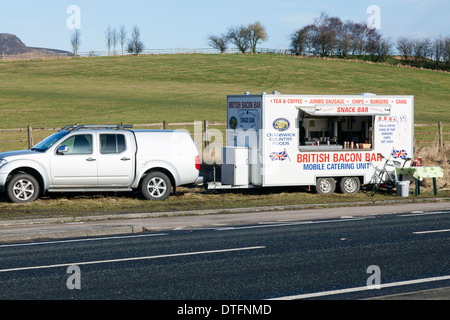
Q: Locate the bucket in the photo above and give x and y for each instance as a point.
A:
(403, 188)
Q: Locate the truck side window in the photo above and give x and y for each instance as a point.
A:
(112, 143)
(79, 144)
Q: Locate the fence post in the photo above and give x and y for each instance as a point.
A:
(165, 125)
(206, 131)
(30, 136)
(441, 141)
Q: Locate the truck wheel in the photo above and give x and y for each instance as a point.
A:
(156, 186)
(22, 188)
(350, 185)
(325, 185)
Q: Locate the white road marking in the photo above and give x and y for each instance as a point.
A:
(281, 224)
(365, 288)
(421, 213)
(132, 259)
(80, 240)
(431, 231)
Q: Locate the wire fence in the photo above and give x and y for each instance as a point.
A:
(204, 133)
(44, 54)
(182, 51)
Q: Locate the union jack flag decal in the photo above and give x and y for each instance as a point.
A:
(399, 154)
(274, 156)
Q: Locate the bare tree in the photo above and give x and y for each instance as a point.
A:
(122, 36)
(321, 39)
(344, 38)
(135, 46)
(240, 37)
(114, 39)
(75, 40)
(405, 48)
(384, 49)
(257, 33)
(302, 40)
(310, 33)
(325, 38)
(335, 26)
(377, 47)
(446, 51)
(219, 42)
(421, 49)
(359, 38)
(108, 39)
(298, 42)
(438, 50)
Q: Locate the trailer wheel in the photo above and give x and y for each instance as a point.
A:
(325, 185)
(22, 188)
(350, 185)
(156, 186)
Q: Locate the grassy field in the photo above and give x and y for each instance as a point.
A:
(178, 88)
(184, 88)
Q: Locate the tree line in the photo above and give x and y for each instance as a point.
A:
(114, 39)
(326, 36)
(243, 37)
(330, 36)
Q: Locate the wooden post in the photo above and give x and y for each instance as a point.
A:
(165, 125)
(30, 136)
(441, 141)
(206, 131)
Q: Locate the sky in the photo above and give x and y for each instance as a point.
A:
(187, 24)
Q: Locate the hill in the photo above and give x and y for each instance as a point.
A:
(178, 88)
(12, 45)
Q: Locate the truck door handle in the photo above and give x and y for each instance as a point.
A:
(125, 159)
(90, 159)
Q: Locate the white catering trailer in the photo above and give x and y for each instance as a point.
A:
(313, 140)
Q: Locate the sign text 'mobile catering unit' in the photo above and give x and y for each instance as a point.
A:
(319, 140)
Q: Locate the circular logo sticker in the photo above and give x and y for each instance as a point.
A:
(233, 122)
(281, 124)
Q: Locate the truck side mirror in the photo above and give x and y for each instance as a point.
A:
(62, 149)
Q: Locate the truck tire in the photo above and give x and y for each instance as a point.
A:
(350, 185)
(325, 185)
(156, 186)
(22, 188)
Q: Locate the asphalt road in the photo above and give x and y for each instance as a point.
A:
(337, 258)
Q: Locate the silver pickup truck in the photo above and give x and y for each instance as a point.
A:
(101, 158)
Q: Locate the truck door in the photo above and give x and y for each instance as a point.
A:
(115, 160)
(75, 165)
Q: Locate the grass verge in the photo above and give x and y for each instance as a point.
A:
(79, 205)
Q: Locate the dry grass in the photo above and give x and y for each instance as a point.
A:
(431, 156)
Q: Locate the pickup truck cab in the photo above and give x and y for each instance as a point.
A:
(82, 158)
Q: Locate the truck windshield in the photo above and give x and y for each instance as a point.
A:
(45, 144)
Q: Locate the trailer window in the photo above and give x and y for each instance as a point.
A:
(334, 132)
